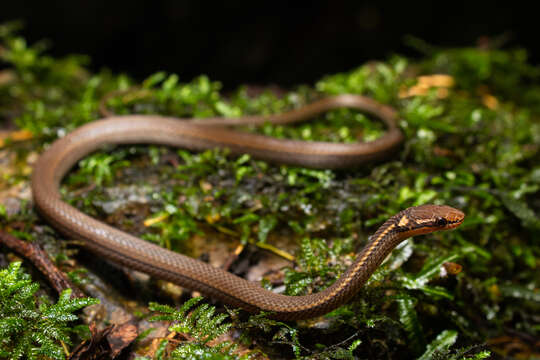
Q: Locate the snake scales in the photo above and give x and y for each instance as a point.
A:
(130, 251)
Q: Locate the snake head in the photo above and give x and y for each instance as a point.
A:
(425, 219)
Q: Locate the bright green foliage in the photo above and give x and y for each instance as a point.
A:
(57, 95)
(430, 271)
(378, 80)
(439, 349)
(411, 324)
(285, 334)
(443, 341)
(30, 329)
(202, 324)
(314, 261)
(473, 146)
(100, 167)
(501, 70)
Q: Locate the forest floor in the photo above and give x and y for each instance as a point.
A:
(470, 117)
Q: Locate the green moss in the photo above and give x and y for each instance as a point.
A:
(33, 330)
(203, 325)
(473, 146)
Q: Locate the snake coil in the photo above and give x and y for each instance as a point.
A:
(130, 251)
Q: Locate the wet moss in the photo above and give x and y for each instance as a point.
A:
(471, 142)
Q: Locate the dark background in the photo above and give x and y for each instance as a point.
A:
(270, 42)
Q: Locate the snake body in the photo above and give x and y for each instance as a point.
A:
(130, 251)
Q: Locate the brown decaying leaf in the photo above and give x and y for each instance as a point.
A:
(107, 343)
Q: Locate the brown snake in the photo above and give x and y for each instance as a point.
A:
(130, 251)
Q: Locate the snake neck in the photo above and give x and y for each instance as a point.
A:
(351, 281)
(380, 245)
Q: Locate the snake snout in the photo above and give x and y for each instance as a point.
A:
(452, 216)
(429, 217)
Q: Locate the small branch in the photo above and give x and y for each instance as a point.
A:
(128, 95)
(285, 255)
(39, 258)
(232, 257)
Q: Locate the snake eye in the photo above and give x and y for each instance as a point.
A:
(441, 222)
